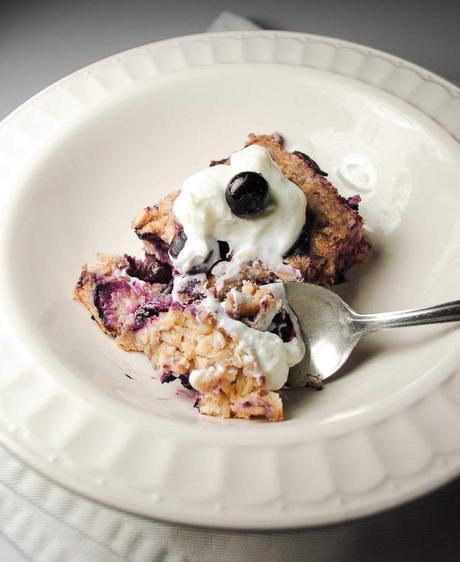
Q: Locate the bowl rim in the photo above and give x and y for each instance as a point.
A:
(84, 390)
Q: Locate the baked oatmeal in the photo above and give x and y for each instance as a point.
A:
(206, 303)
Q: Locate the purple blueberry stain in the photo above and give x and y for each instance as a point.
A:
(278, 138)
(217, 162)
(224, 249)
(142, 314)
(159, 246)
(81, 279)
(151, 308)
(167, 377)
(150, 270)
(191, 287)
(193, 290)
(353, 202)
(105, 300)
(185, 393)
(184, 380)
(194, 311)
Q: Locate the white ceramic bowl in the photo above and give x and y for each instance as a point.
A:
(79, 161)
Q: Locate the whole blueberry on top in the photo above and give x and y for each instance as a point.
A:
(247, 194)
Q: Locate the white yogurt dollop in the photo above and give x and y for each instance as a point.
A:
(206, 218)
(272, 356)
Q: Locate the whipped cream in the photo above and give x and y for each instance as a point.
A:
(272, 356)
(206, 218)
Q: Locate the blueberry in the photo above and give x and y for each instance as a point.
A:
(185, 382)
(224, 249)
(247, 194)
(283, 326)
(150, 270)
(107, 297)
(313, 165)
(178, 242)
(169, 376)
(143, 313)
(155, 305)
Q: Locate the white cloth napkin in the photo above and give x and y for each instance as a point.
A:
(48, 523)
(227, 21)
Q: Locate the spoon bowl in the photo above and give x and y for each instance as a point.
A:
(331, 329)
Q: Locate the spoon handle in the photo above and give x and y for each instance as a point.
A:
(447, 312)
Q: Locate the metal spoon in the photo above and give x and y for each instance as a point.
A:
(331, 329)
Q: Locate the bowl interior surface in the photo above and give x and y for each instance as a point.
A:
(84, 189)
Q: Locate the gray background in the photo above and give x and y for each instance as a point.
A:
(43, 41)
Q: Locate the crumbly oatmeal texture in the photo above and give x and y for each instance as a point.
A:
(140, 303)
(333, 239)
(177, 340)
